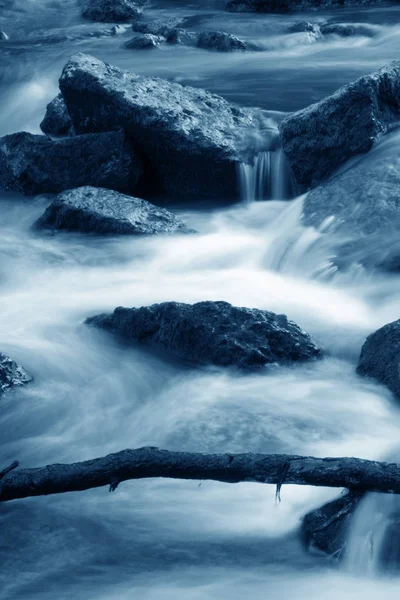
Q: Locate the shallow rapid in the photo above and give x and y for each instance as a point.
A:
(181, 540)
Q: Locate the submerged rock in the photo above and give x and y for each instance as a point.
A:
(285, 6)
(303, 27)
(212, 333)
(183, 37)
(57, 121)
(157, 27)
(118, 11)
(97, 210)
(192, 140)
(144, 41)
(380, 357)
(118, 30)
(360, 209)
(320, 138)
(11, 374)
(348, 29)
(35, 164)
(326, 528)
(223, 42)
(311, 32)
(173, 31)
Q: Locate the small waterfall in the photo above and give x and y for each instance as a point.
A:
(254, 178)
(374, 543)
(373, 546)
(266, 178)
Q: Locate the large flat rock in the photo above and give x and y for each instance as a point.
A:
(212, 333)
(323, 136)
(192, 140)
(97, 210)
(35, 164)
(11, 374)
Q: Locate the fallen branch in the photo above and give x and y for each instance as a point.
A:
(353, 473)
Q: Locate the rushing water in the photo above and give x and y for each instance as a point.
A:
(160, 539)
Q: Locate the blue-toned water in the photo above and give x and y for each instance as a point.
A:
(178, 540)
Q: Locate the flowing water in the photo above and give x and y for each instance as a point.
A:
(160, 539)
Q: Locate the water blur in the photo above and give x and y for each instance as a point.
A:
(159, 539)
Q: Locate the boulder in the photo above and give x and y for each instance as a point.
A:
(193, 141)
(220, 41)
(212, 333)
(287, 6)
(35, 164)
(97, 210)
(57, 121)
(118, 11)
(11, 374)
(320, 138)
(144, 41)
(326, 528)
(380, 357)
(360, 209)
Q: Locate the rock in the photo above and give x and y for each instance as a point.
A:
(320, 138)
(57, 121)
(286, 6)
(304, 27)
(380, 357)
(3, 36)
(11, 374)
(157, 27)
(118, 11)
(310, 33)
(360, 209)
(217, 41)
(35, 164)
(118, 30)
(192, 140)
(182, 37)
(223, 42)
(325, 529)
(212, 333)
(144, 41)
(97, 210)
(348, 29)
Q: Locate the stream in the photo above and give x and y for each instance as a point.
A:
(166, 539)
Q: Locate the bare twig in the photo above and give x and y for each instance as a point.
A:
(11, 467)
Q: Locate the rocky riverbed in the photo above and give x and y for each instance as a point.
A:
(199, 252)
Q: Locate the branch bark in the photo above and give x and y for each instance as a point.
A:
(353, 473)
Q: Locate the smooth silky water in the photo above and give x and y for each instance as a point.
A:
(182, 540)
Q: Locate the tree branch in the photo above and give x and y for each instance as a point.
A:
(353, 473)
